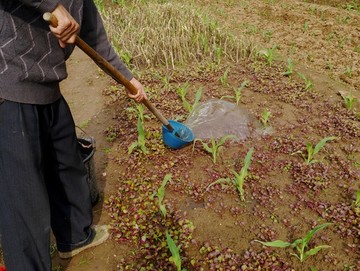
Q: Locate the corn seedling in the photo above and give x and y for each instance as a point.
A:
(357, 200)
(224, 78)
(160, 194)
(348, 72)
(175, 252)
(306, 27)
(301, 245)
(214, 147)
(311, 151)
(349, 101)
(237, 92)
(290, 68)
(182, 91)
(268, 54)
(239, 178)
(265, 117)
(308, 84)
(140, 143)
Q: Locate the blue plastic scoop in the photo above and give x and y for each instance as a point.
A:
(180, 136)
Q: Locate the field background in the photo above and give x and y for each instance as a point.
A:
(284, 196)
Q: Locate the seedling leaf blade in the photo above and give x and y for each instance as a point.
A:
(247, 162)
(314, 250)
(322, 143)
(174, 251)
(222, 180)
(311, 233)
(224, 138)
(276, 243)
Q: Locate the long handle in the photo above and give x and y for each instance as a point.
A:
(110, 70)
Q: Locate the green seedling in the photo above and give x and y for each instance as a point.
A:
(349, 101)
(267, 35)
(290, 68)
(215, 146)
(306, 27)
(268, 54)
(311, 151)
(160, 194)
(218, 52)
(357, 201)
(224, 78)
(301, 245)
(182, 91)
(265, 117)
(140, 143)
(348, 72)
(237, 92)
(239, 178)
(175, 252)
(308, 84)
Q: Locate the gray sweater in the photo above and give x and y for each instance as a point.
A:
(32, 63)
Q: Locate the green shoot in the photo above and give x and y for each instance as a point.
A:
(348, 72)
(239, 179)
(301, 245)
(218, 52)
(182, 91)
(289, 69)
(357, 201)
(265, 117)
(160, 194)
(166, 81)
(224, 78)
(349, 101)
(237, 92)
(311, 151)
(306, 27)
(140, 143)
(268, 54)
(175, 252)
(214, 147)
(308, 84)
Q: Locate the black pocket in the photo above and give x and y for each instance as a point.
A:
(2, 100)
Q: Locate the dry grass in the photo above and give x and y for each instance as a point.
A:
(154, 34)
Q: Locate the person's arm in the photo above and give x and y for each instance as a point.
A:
(67, 27)
(42, 5)
(93, 33)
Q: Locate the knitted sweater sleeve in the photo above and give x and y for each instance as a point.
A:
(42, 5)
(94, 34)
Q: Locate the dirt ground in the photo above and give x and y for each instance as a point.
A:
(323, 41)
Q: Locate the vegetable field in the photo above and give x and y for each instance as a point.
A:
(286, 199)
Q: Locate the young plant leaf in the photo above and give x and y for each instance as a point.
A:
(311, 233)
(314, 251)
(175, 251)
(322, 143)
(277, 243)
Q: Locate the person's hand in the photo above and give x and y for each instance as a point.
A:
(67, 27)
(141, 94)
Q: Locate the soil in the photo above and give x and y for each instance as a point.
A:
(284, 196)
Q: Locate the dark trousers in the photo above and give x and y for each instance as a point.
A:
(43, 185)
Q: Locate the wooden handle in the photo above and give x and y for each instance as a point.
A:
(110, 70)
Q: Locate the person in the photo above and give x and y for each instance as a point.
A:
(42, 175)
